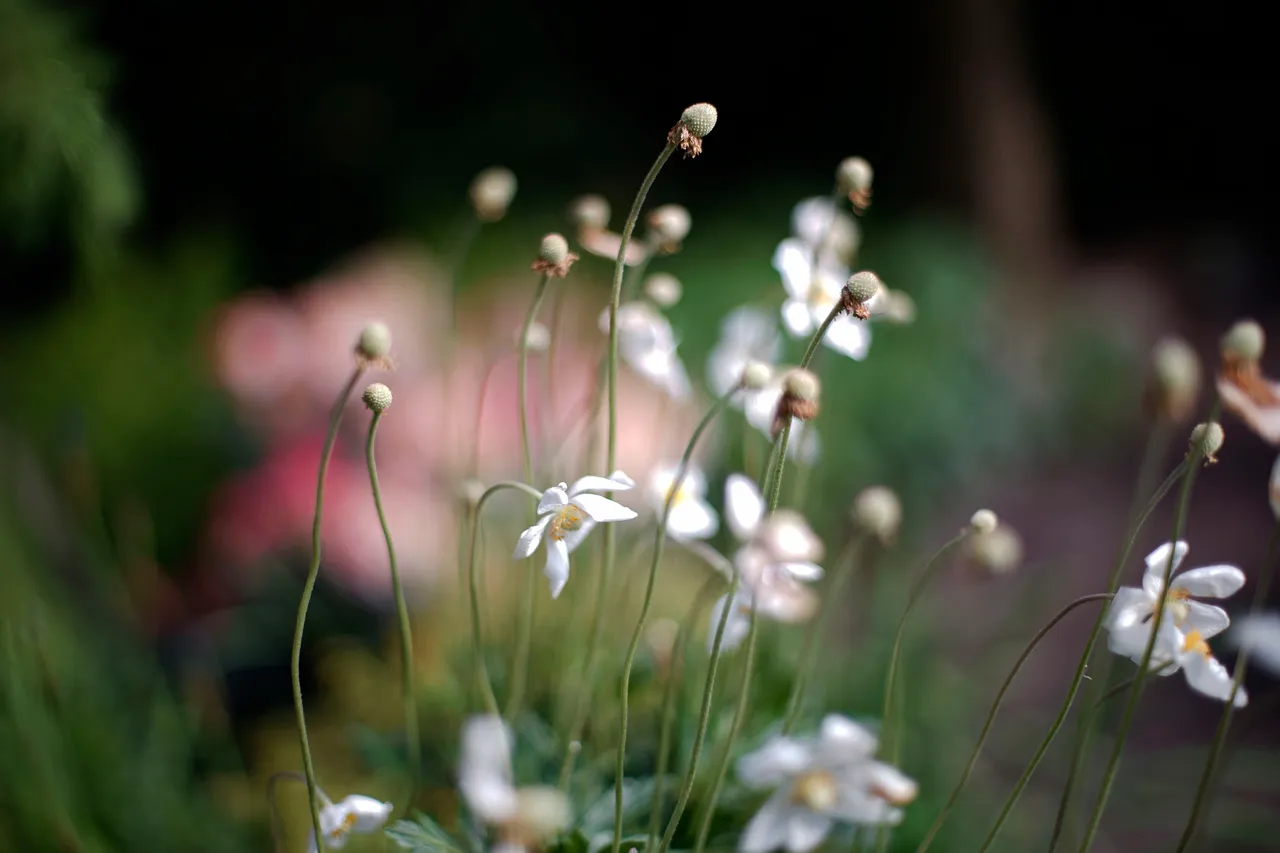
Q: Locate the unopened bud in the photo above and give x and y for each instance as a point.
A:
(1207, 439)
(854, 174)
(756, 375)
(670, 224)
(998, 551)
(590, 211)
(1244, 342)
(491, 193)
(983, 521)
(374, 342)
(1175, 385)
(878, 511)
(663, 288)
(377, 397)
(801, 384)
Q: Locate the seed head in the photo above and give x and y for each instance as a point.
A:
(663, 289)
(800, 391)
(590, 211)
(695, 123)
(670, 224)
(491, 193)
(983, 521)
(554, 257)
(1243, 343)
(998, 551)
(377, 397)
(756, 375)
(374, 343)
(1175, 379)
(858, 291)
(1207, 439)
(878, 511)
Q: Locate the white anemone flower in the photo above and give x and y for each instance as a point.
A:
(819, 781)
(761, 407)
(1260, 636)
(747, 334)
(784, 535)
(355, 814)
(1188, 653)
(812, 222)
(566, 514)
(691, 516)
(1130, 616)
(647, 343)
(778, 593)
(523, 818)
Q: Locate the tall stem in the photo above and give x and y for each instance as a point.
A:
(1135, 692)
(313, 573)
(524, 630)
(995, 708)
(1076, 680)
(1224, 722)
(660, 537)
(402, 616)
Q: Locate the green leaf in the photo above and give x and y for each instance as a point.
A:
(422, 834)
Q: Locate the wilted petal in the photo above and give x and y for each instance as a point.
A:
(557, 568)
(600, 508)
(1205, 618)
(806, 830)
(767, 829)
(1158, 566)
(531, 538)
(743, 505)
(1210, 581)
(615, 482)
(849, 336)
(1206, 675)
(552, 499)
(777, 761)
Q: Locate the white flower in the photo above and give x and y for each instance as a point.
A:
(1260, 635)
(522, 817)
(356, 813)
(811, 222)
(746, 334)
(647, 343)
(819, 781)
(566, 515)
(761, 407)
(779, 593)
(691, 516)
(1188, 652)
(1131, 612)
(784, 536)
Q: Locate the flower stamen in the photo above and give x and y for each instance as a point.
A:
(568, 518)
(815, 790)
(1194, 642)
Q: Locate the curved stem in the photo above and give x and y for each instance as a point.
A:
(820, 334)
(1135, 692)
(1224, 722)
(845, 568)
(995, 708)
(660, 536)
(482, 671)
(779, 463)
(277, 829)
(524, 629)
(402, 616)
(308, 587)
(1078, 678)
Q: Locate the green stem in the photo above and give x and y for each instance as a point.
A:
(524, 629)
(1224, 722)
(482, 671)
(845, 568)
(273, 807)
(402, 616)
(660, 536)
(995, 708)
(1112, 583)
(820, 334)
(313, 573)
(582, 702)
(670, 691)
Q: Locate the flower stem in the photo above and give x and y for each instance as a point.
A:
(1112, 583)
(845, 568)
(1224, 722)
(820, 334)
(524, 630)
(659, 540)
(402, 616)
(313, 573)
(995, 707)
(670, 691)
(482, 671)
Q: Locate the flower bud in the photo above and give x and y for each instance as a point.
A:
(1207, 439)
(801, 384)
(983, 521)
(1175, 379)
(590, 211)
(670, 224)
(663, 288)
(877, 510)
(374, 342)
(554, 257)
(756, 375)
(859, 290)
(695, 123)
(377, 397)
(491, 193)
(1244, 342)
(998, 551)
(800, 391)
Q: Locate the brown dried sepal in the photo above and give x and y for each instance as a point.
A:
(682, 138)
(380, 363)
(853, 306)
(860, 199)
(559, 270)
(1251, 396)
(792, 407)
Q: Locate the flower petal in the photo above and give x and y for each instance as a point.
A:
(1205, 674)
(1263, 417)
(806, 830)
(552, 499)
(797, 318)
(793, 260)
(371, 814)
(1260, 636)
(600, 508)
(845, 740)
(557, 567)
(767, 829)
(1210, 581)
(849, 336)
(807, 572)
(1131, 606)
(531, 538)
(1209, 620)
(776, 762)
(692, 520)
(573, 538)
(615, 482)
(484, 775)
(890, 784)
(743, 505)
(1158, 566)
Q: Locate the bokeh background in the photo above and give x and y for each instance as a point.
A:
(201, 203)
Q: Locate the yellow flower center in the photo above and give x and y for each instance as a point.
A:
(1194, 642)
(682, 495)
(343, 828)
(1176, 605)
(568, 518)
(815, 790)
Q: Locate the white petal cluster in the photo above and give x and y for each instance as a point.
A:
(355, 814)
(691, 516)
(647, 344)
